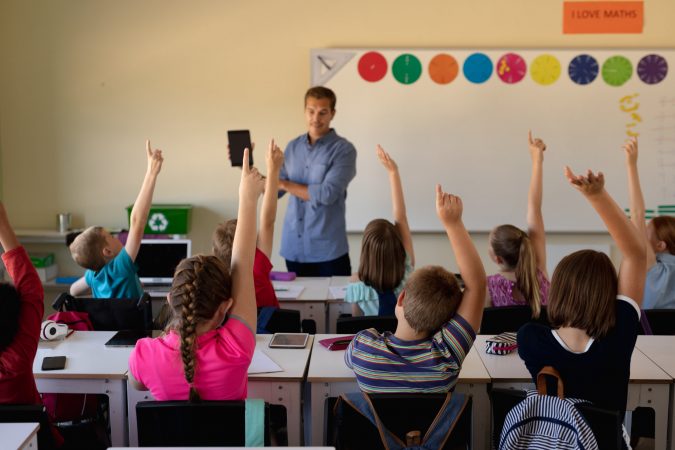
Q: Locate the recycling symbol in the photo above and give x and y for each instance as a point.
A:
(158, 222)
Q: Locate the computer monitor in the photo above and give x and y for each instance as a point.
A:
(157, 259)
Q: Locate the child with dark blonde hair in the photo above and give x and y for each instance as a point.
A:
(659, 237)
(387, 255)
(214, 356)
(521, 256)
(594, 316)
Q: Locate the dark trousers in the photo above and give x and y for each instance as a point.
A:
(339, 266)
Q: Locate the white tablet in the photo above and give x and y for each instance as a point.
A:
(289, 340)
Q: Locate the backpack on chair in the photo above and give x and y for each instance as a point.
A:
(547, 421)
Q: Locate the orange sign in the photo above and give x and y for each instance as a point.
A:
(603, 17)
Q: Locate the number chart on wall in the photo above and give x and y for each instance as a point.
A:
(460, 117)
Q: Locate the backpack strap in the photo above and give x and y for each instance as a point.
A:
(444, 423)
(360, 402)
(254, 422)
(541, 381)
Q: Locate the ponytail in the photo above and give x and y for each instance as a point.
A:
(526, 275)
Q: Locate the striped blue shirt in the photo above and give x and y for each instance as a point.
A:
(384, 363)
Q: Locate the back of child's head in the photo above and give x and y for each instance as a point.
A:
(87, 248)
(10, 307)
(583, 293)
(222, 240)
(514, 247)
(432, 295)
(664, 230)
(200, 285)
(382, 264)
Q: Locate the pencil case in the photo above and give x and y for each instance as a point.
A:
(337, 343)
(282, 276)
(502, 344)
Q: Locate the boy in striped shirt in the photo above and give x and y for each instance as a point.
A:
(437, 322)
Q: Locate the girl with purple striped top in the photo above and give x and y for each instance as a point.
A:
(521, 256)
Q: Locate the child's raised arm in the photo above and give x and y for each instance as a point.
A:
(397, 202)
(632, 272)
(243, 247)
(8, 238)
(449, 210)
(535, 219)
(141, 208)
(637, 201)
(268, 213)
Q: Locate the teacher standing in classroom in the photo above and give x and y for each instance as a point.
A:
(318, 166)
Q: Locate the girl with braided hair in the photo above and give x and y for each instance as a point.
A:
(200, 357)
(521, 256)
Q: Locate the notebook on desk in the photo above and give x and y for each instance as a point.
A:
(157, 260)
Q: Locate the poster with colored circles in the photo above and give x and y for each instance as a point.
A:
(460, 117)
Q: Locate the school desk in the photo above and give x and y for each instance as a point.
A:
(659, 349)
(649, 386)
(21, 436)
(280, 388)
(312, 300)
(328, 376)
(91, 368)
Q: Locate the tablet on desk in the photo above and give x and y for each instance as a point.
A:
(128, 338)
(289, 340)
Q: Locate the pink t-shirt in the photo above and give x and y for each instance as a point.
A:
(222, 359)
(501, 290)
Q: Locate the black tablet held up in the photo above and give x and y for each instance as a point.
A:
(238, 141)
(289, 340)
(127, 338)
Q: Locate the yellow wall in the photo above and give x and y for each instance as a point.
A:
(83, 83)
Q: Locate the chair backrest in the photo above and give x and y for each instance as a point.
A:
(283, 321)
(346, 428)
(30, 414)
(661, 321)
(352, 325)
(182, 423)
(498, 319)
(110, 314)
(606, 424)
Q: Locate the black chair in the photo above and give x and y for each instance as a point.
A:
(661, 321)
(30, 414)
(605, 423)
(182, 423)
(499, 319)
(352, 325)
(110, 314)
(346, 429)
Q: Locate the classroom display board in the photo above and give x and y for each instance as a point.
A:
(460, 117)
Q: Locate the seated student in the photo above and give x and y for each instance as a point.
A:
(214, 357)
(387, 256)
(521, 256)
(659, 237)
(437, 323)
(223, 236)
(594, 315)
(111, 272)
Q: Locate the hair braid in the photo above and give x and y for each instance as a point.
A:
(188, 328)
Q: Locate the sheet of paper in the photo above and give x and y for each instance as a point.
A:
(288, 291)
(261, 363)
(337, 292)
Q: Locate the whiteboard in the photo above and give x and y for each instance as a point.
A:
(472, 136)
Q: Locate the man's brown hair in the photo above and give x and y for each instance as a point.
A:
(223, 238)
(664, 228)
(583, 293)
(382, 264)
(87, 249)
(432, 295)
(320, 92)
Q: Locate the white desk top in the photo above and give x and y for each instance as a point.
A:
(316, 288)
(86, 356)
(660, 350)
(329, 366)
(17, 435)
(293, 361)
(510, 368)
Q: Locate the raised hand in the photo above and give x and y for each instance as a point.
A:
(386, 160)
(589, 185)
(536, 147)
(252, 182)
(631, 149)
(274, 158)
(448, 207)
(155, 159)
